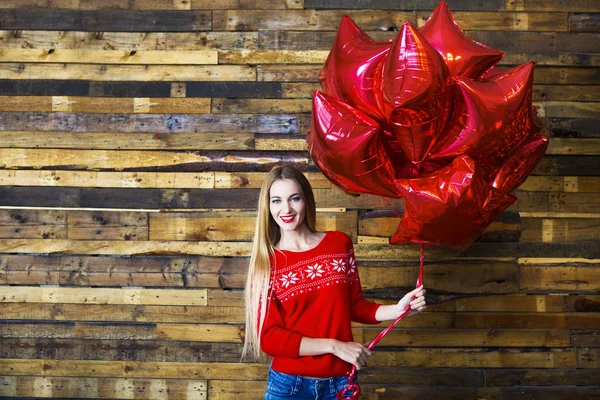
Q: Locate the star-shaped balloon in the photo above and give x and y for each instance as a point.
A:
(428, 117)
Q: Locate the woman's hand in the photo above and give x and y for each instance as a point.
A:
(391, 312)
(417, 304)
(351, 352)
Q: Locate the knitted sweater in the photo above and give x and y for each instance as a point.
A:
(314, 293)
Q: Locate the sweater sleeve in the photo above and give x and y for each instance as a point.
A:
(275, 340)
(361, 310)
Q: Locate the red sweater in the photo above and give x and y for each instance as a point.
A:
(314, 293)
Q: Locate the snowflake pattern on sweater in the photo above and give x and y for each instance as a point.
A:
(314, 273)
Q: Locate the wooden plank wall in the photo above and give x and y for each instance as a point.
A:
(134, 136)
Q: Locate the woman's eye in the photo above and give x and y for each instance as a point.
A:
(296, 198)
(275, 201)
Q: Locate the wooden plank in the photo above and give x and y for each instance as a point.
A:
(272, 57)
(110, 388)
(45, 87)
(476, 357)
(534, 377)
(581, 184)
(153, 4)
(131, 369)
(261, 106)
(26, 294)
(560, 230)
(589, 338)
(150, 123)
(494, 5)
(125, 350)
(472, 337)
(573, 278)
(285, 73)
(144, 160)
(147, 313)
(567, 76)
(128, 41)
(566, 146)
(79, 104)
(574, 127)
(300, 90)
(503, 320)
(584, 22)
(260, 90)
(226, 180)
(537, 42)
(112, 72)
(299, 20)
(557, 5)
(573, 93)
(218, 226)
(588, 358)
(445, 277)
(569, 109)
(107, 226)
(167, 180)
(147, 57)
(505, 303)
(200, 333)
(33, 224)
(568, 166)
(221, 389)
(132, 141)
(106, 20)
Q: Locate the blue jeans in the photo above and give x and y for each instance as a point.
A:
(285, 386)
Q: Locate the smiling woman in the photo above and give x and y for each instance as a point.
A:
(302, 292)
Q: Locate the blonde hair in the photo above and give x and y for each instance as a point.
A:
(266, 236)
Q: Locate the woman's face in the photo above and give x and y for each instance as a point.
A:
(286, 204)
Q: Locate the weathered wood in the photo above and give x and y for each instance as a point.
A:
(576, 128)
(573, 278)
(589, 338)
(475, 357)
(27, 294)
(538, 42)
(165, 180)
(148, 57)
(112, 72)
(533, 377)
(106, 388)
(261, 90)
(132, 369)
(142, 161)
(217, 226)
(139, 141)
(33, 224)
(566, 93)
(58, 88)
(588, 358)
(128, 41)
(295, 20)
(146, 313)
(261, 106)
(560, 229)
(472, 337)
(105, 20)
(272, 57)
(153, 4)
(136, 105)
(494, 5)
(125, 350)
(584, 22)
(149, 123)
(528, 320)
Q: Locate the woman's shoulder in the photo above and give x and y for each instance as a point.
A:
(339, 237)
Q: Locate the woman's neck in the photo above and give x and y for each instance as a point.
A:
(299, 239)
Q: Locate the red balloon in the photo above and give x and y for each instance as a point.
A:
(348, 73)
(490, 119)
(415, 93)
(518, 167)
(430, 118)
(464, 56)
(346, 146)
(451, 207)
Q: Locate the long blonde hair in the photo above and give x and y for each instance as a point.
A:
(266, 236)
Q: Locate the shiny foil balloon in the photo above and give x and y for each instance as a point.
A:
(346, 146)
(450, 207)
(415, 92)
(464, 56)
(431, 118)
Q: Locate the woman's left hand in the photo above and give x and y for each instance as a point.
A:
(414, 298)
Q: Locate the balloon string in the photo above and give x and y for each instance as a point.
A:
(353, 387)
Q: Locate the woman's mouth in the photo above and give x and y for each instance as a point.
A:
(288, 219)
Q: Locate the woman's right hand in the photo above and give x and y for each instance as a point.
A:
(351, 352)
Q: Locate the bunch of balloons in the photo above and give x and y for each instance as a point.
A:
(427, 117)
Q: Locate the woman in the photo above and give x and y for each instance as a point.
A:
(312, 290)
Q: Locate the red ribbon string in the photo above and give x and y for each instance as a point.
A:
(353, 388)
